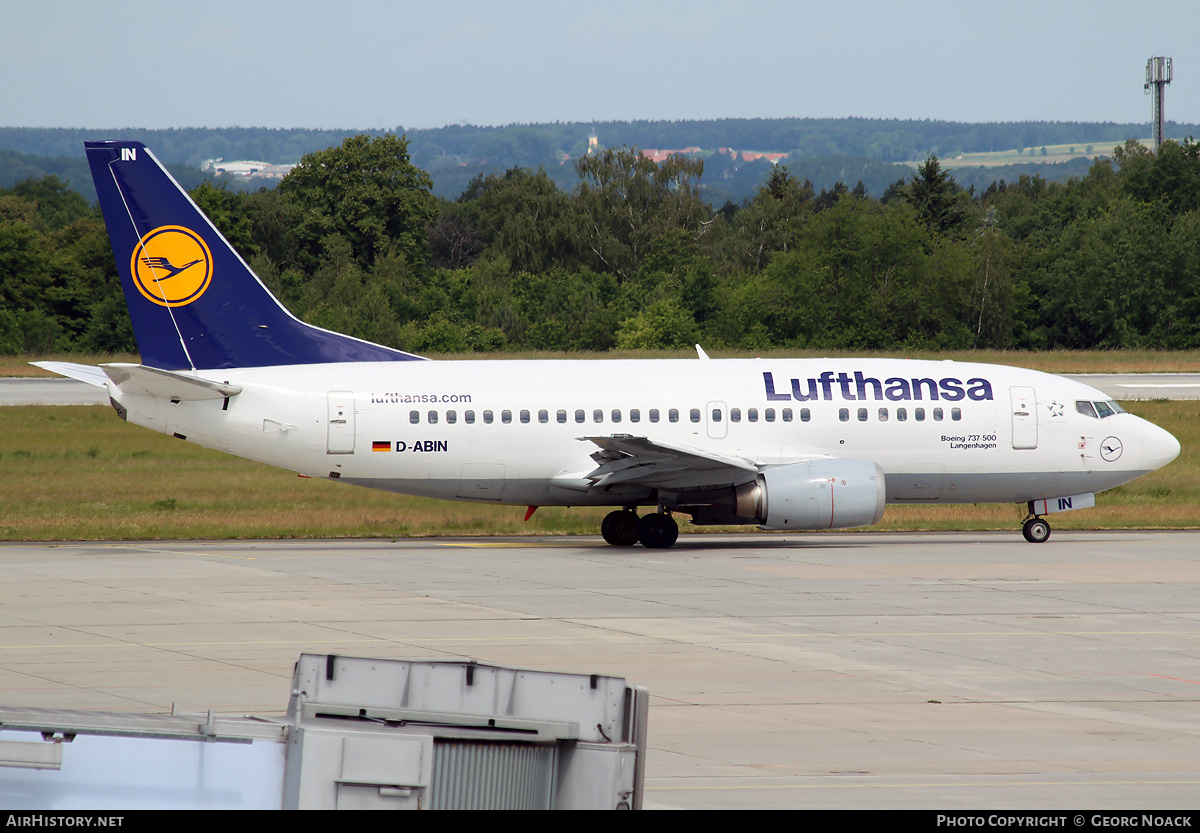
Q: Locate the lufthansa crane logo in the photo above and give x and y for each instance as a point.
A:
(171, 266)
(1110, 449)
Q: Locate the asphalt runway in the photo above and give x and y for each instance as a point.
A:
(941, 671)
(1130, 386)
(42, 391)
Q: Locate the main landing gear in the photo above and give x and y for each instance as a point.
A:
(1035, 530)
(624, 528)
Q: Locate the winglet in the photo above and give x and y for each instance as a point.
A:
(701, 353)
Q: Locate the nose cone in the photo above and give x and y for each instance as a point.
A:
(1159, 447)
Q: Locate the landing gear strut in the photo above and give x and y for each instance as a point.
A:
(1036, 530)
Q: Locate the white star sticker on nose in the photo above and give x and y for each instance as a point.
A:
(1056, 408)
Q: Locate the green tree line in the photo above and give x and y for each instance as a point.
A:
(530, 145)
(632, 256)
(821, 150)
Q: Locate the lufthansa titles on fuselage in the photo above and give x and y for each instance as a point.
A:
(858, 387)
(392, 398)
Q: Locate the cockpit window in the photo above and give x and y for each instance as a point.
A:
(1098, 410)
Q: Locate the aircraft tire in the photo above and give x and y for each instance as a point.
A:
(1036, 531)
(620, 528)
(657, 531)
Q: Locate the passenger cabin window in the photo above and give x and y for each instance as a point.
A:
(635, 415)
(769, 414)
(735, 414)
(805, 415)
(469, 417)
(883, 414)
(616, 415)
(937, 414)
(432, 417)
(561, 415)
(580, 415)
(901, 415)
(451, 417)
(654, 414)
(716, 414)
(844, 414)
(787, 414)
(506, 417)
(956, 414)
(414, 417)
(862, 414)
(597, 415)
(694, 414)
(487, 417)
(673, 415)
(524, 416)
(919, 414)
(752, 415)
(543, 416)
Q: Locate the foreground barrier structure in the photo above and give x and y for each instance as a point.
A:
(359, 734)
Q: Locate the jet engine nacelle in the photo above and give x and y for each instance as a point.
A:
(819, 494)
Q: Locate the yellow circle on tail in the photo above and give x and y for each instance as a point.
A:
(171, 266)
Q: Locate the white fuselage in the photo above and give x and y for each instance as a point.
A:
(510, 431)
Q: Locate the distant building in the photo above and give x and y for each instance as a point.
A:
(751, 156)
(661, 155)
(773, 158)
(246, 169)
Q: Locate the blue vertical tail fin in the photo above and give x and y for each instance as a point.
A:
(193, 301)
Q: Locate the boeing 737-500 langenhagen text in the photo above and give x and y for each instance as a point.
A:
(782, 443)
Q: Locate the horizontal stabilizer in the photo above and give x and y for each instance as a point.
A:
(79, 372)
(166, 384)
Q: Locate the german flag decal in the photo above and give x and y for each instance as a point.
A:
(381, 445)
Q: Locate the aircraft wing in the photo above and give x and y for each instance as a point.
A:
(646, 462)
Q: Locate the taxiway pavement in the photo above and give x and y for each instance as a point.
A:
(950, 670)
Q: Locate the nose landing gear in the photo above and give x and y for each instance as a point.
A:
(1035, 530)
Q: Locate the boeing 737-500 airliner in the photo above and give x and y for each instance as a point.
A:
(782, 443)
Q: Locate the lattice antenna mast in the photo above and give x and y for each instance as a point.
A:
(1158, 75)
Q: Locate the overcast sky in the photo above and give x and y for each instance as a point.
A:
(219, 63)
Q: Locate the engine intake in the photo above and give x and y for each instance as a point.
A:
(819, 494)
